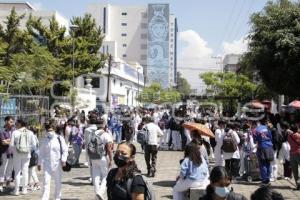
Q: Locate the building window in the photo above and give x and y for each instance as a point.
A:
(124, 13)
(144, 25)
(143, 57)
(124, 34)
(124, 45)
(121, 84)
(144, 36)
(124, 55)
(143, 46)
(114, 81)
(124, 24)
(95, 82)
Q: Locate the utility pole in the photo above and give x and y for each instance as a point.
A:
(108, 81)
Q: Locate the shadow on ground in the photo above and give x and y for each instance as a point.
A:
(164, 183)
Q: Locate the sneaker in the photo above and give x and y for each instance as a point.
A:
(272, 179)
(14, 193)
(30, 188)
(1, 188)
(36, 187)
(86, 164)
(24, 192)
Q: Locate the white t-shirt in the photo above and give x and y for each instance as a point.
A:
(105, 137)
(154, 132)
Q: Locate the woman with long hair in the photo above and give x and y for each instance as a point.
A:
(117, 178)
(219, 189)
(193, 173)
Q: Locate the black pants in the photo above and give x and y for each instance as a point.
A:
(232, 166)
(287, 169)
(151, 154)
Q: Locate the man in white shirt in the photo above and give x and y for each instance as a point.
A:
(22, 142)
(151, 148)
(219, 135)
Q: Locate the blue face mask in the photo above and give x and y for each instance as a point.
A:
(222, 191)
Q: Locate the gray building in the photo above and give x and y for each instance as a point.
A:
(231, 62)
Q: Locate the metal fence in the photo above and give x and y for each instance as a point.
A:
(31, 108)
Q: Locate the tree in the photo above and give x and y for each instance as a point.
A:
(274, 48)
(229, 84)
(156, 94)
(183, 87)
(31, 72)
(16, 40)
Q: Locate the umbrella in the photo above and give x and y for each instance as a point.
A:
(202, 129)
(295, 104)
(256, 104)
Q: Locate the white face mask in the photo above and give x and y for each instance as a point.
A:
(222, 191)
(50, 134)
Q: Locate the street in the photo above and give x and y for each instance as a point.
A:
(76, 186)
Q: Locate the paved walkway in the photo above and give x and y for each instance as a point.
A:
(76, 185)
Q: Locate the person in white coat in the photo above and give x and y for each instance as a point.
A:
(101, 165)
(219, 134)
(22, 142)
(53, 156)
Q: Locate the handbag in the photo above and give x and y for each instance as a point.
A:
(68, 167)
(33, 159)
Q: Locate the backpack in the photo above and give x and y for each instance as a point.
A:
(95, 147)
(149, 194)
(23, 144)
(229, 145)
(142, 136)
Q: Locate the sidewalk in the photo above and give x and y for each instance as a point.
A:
(76, 186)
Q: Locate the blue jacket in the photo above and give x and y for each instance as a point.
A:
(263, 136)
(194, 172)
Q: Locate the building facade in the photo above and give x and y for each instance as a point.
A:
(119, 87)
(231, 62)
(27, 9)
(143, 34)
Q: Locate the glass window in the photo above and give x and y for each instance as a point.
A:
(143, 57)
(143, 46)
(143, 36)
(124, 55)
(124, 34)
(124, 24)
(124, 13)
(144, 25)
(124, 45)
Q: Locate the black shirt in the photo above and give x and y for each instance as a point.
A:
(117, 190)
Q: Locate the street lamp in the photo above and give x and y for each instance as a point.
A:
(73, 27)
(138, 75)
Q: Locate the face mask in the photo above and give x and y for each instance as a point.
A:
(120, 160)
(222, 191)
(50, 134)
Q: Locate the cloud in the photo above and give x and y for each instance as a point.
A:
(236, 47)
(195, 58)
(37, 5)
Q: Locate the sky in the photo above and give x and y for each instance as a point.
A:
(207, 28)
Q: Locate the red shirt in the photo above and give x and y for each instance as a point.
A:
(294, 141)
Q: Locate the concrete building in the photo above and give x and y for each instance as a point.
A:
(144, 34)
(231, 62)
(23, 7)
(126, 80)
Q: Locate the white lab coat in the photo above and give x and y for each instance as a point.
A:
(219, 135)
(50, 159)
(21, 160)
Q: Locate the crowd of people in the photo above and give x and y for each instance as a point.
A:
(241, 150)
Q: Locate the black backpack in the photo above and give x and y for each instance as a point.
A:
(229, 144)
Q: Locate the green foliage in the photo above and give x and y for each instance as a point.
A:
(156, 94)
(183, 87)
(275, 46)
(229, 84)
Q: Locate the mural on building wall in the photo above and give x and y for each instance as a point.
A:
(158, 44)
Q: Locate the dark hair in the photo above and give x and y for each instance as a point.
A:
(132, 168)
(7, 118)
(192, 151)
(294, 128)
(50, 124)
(266, 193)
(22, 122)
(217, 173)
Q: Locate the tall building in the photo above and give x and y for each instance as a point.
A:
(23, 7)
(231, 62)
(143, 34)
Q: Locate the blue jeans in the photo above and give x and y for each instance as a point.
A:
(265, 170)
(118, 133)
(77, 151)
